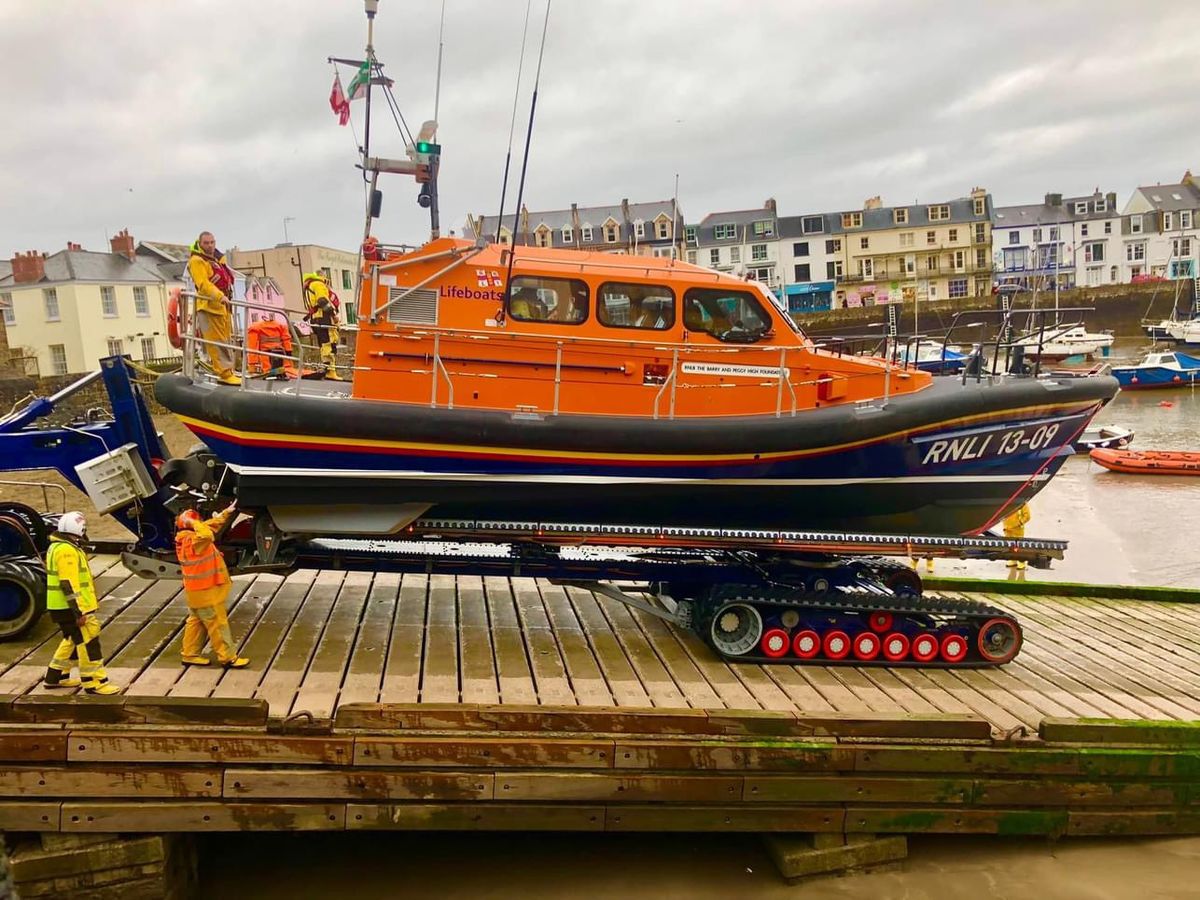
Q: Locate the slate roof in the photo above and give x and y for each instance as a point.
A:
(1172, 197)
(95, 268)
(595, 216)
(1045, 214)
(962, 209)
(168, 252)
(793, 226)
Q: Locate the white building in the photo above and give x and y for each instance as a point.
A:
(743, 242)
(1076, 240)
(1161, 230)
(68, 309)
(810, 260)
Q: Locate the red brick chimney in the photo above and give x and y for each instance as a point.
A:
(123, 243)
(71, 245)
(28, 267)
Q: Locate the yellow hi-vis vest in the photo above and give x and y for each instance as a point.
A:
(65, 560)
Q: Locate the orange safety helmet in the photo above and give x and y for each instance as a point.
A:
(187, 520)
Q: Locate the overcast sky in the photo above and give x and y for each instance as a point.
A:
(168, 117)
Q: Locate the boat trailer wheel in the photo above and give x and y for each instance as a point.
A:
(736, 629)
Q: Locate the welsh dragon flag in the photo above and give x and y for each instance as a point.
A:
(338, 102)
(358, 86)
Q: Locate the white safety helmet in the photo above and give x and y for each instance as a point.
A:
(72, 523)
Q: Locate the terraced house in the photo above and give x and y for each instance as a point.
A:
(744, 242)
(928, 251)
(1074, 240)
(1160, 230)
(642, 229)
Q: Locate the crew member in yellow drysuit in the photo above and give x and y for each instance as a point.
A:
(1014, 527)
(205, 586)
(72, 604)
(323, 316)
(214, 318)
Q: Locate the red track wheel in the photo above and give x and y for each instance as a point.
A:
(925, 647)
(775, 642)
(895, 647)
(999, 640)
(866, 645)
(954, 648)
(806, 644)
(880, 621)
(837, 645)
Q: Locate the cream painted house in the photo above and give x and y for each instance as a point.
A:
(68, 309)
(285, 264)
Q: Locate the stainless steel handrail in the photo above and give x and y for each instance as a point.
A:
(44, 485)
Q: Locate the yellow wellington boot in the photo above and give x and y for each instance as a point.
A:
(63, 683)
(102, 687)
(238, 662)
(196, 661)
(232, 380)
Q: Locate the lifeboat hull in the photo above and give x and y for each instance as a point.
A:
(948, 459)
(1148, 462)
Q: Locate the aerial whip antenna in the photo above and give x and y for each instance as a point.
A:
(512, 125)
(537, 78)
(437, 90)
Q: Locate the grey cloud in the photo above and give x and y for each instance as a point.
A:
(171, 116)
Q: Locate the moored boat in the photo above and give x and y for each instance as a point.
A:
(1103, 438)
(1149, 462)
(1065, 341)
(932, 356)
(1163, 369)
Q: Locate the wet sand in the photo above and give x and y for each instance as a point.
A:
(663, 867)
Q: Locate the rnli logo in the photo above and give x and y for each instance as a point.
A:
(488, 278)
(996, 444)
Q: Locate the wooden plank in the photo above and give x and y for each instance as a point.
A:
(267, 636)
(38, 865)
(473, 817)
(462, 751)
(694, 687)
(725, 819)
(281, 680)
(109, 781)
(402, 674)
(29, 816)
(201, 816)
(831, 689)
(364, 674)
(623, 682)
(227, 747)
(631, 788)
(546, 663)
(856, 789)
(806, 756)
(1111, 731)
(586, 676)
(1133, 822)
(926, 819)
(84, 709)
(439, 667)
(318, 691)
(33, 745)
(514, 718)
(961, 760)
(718, 674)
(1053, 792)
(156, 633)
(361, 784)
(477, 659)
(512, 660)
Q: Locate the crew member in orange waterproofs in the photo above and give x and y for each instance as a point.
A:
(270, 336)
(205, 585)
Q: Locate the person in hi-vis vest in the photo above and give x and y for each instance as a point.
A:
(72, 604)
(205, 586)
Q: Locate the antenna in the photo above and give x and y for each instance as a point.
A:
(675, 220)
(537, 79)
(512, 125)
(437, 90)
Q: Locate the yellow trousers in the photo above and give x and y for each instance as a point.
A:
(80, 642)
(219, 330)
(211, 622)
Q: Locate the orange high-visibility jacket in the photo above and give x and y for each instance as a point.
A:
(269, 336)
(202, 564)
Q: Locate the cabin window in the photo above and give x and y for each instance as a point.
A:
(728, 315)
(649, 306)
(560, 300)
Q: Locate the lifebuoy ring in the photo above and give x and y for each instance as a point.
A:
(176, 324)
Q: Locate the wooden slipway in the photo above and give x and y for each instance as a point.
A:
(381, 701)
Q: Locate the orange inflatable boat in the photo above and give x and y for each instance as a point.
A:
(1149, 462)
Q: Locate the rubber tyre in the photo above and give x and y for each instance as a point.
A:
(896, 646)
(998, 655)
(775, 643)
(22, 596)
(954, 648)
(806, 644)
(867, 645)
(34, 522)
(836, 645)
(925, 647)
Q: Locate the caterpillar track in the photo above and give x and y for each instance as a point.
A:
(860, 627)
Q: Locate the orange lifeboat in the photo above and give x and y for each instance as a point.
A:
(1149, 462)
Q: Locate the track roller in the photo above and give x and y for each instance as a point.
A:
(925, 647)
(895, 647)
(836, 644)
(880, 621)
(866, 645)
(806, 644)
(775, 642)
(954, 648)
